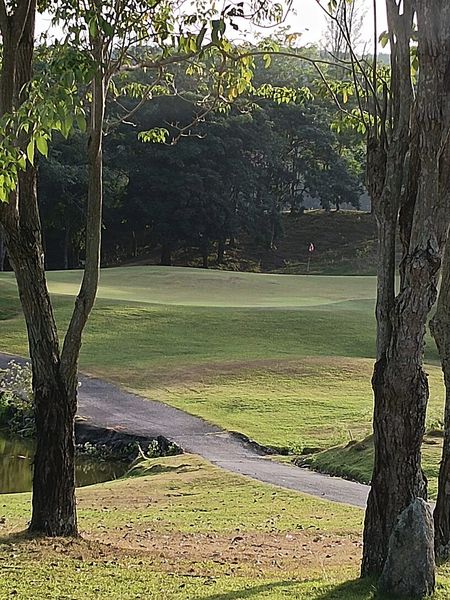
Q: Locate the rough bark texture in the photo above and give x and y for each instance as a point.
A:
(440, 328)
(409, 571)
(399, 383)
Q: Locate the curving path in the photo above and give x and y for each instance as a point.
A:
(106, 405)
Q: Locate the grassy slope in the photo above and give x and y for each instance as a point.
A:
(355, 461)
(345, 243)
(292, 371)
(185, 530)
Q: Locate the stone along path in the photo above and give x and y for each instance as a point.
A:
(106, 405)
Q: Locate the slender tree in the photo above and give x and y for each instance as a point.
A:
(105, 39)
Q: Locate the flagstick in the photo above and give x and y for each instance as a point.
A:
(309, 260)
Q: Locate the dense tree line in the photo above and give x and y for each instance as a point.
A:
(238, 171)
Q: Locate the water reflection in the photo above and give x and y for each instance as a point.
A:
(16, 459)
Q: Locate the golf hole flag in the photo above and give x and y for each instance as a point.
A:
(311, 247)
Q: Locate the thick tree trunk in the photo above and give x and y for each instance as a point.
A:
(440, 328)
(53, 479)
(54, 511)
(399, 382)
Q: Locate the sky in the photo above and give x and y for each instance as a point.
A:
(310, 20)
(307, 18)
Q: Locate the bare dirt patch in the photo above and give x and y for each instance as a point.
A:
(243, 551)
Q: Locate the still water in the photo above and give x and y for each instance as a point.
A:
(16, 459)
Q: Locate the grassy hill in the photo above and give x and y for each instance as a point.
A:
(345, 243)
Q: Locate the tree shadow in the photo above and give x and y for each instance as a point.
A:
(18, 537)
(251, 592)
(357, 589)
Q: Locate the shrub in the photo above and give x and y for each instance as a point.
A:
(16, 399)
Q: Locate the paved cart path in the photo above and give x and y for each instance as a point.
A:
(106, 405)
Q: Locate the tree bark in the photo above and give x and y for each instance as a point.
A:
(54, 374)
(440, 329)
(399, 383)
(53, 482)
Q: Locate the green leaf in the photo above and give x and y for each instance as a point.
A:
(81, 122)
(106, 27)
(384, 39)
(42, 146)
(93, 27)
(22, 162)
(30, 152)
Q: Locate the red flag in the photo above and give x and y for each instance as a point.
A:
(311, 247)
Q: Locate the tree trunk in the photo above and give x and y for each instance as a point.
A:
(54, 510)
(399, 382)
(134, 248)
(205, 254)
(2, 249)
(166, 255)
(440, 328)
(221, 251)
(66, 247)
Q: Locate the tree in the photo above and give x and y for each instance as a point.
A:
(344, 30)
(101, 37)
(405, 164)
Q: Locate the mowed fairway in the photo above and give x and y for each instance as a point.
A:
(284, 359)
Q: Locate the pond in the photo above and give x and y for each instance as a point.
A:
(16, 460)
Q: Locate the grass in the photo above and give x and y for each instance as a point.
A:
(185, 530)
(355, 461)
(286, 360)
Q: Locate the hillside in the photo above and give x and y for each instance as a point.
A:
(344, 241)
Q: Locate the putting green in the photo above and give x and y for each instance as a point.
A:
(196, 287)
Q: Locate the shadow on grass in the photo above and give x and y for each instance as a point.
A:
(17, 537)
(252, 592)
(357, 589)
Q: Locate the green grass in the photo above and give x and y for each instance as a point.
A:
(313, 403)
(197, 287)
(286, 360)
(144, 538)
(355, 461)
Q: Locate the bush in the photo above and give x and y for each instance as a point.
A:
(16, 399)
